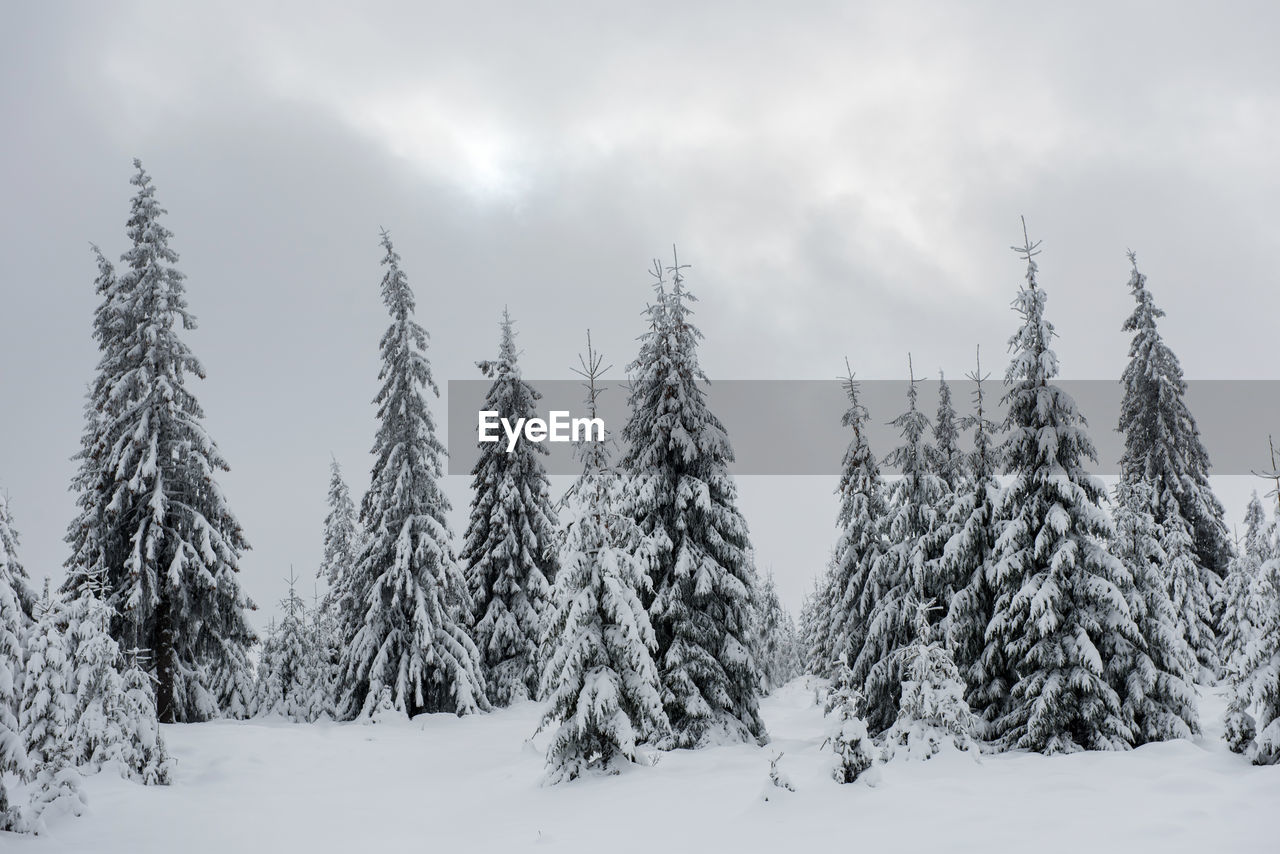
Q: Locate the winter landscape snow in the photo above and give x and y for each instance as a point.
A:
(268, 584)
(473, 784)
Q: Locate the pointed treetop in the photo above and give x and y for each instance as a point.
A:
(1274, 474)
(396, 294)
(591, 370)
(1027, 250)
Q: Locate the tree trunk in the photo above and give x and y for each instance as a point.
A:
(166, 711)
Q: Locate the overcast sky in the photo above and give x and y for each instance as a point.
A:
(844, 179)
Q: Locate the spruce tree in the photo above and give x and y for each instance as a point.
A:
(11, 569)
(905, 573)
(775, 646)
(336, 614)
(932, 717)
(48, 718)
(1253, 717)
(1163, 447)
(144, 754)
(97, 685)
(341, 548)
(600, 676)
(1192, 589)
(267, 690)
(411, 638)
(846, 730)
(98, 536)
(946, 460)
(1238, 612)
(110, 725)
(967, 561)
(508, 553)
(325, 641)
(289, 669)
(1060, 611)
(861, 517)
(153, 520)
(1152, 678)
(13, 619)
(1253, 714)
(816, 647)
(685, 501)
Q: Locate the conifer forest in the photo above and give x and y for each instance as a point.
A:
(301, 549)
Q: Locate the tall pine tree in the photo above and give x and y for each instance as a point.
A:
(411, 638)
(946, 459)
(600, 676)
(967, 560)
(1163, 447)
(1238, 609)
(685, 502)
(508, 553)
(48, 718)
(341, 549)
(1153, 678)
(860, 519)
(13, 619)
(337, 615)
(776, 646)
(1060, 611)
(1253, 718)
(904, 575)
(153, 521)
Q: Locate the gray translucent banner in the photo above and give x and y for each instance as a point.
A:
(792, 427)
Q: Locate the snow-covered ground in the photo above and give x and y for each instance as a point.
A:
(447, 784)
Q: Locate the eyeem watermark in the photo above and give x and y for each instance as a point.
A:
(558, 427)
(792, 427)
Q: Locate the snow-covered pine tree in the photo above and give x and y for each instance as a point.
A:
(1253, 717)
(13, 620)
(144, 752)
(153, 521)
(775, 646)
(341, 549)
(411, 636)
(1237, 609)
(267, 690)
(685, 501)
(846, 730)
(905, 573)
(816, 616)
(48, 718)
(1060, 611)
(325, 641)
(11, 568)
(96, 683)
(110, 724)
(1153, 678)
(1163, 447)
(97, 535)
(509, 549)
(933, 717)
(945, 458)
(862, 514)
(600, 677)
(966, 560)
(815, 624)
(288, 673)
(1192, 588)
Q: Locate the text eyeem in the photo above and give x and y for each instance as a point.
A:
(558, 427)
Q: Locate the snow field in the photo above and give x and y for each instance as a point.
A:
(441, 783)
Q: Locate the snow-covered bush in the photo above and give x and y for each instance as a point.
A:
(847, 731)
(933, 716)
